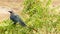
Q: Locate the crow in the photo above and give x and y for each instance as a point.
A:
(15, 18)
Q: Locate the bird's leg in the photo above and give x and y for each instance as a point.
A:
(14, 23)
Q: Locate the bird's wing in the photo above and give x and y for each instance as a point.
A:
(14, 17)
(20, 21)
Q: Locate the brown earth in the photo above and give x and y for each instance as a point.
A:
(17, 6)
(6, 5)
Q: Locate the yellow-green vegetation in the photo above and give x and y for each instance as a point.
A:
(41, 16)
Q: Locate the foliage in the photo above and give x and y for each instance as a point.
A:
(41, 17)
(38, 12)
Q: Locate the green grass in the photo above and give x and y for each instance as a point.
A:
(40, 16)
(9, 28)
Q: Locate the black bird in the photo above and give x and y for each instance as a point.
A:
(15, 18)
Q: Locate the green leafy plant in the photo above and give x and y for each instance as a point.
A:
(40, 16)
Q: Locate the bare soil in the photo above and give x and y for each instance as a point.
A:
(17, 6)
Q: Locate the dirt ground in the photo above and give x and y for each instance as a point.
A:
(6, 5)
(17, 6)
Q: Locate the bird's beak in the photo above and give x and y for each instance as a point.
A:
(10, 11)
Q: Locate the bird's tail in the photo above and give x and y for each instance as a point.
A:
(22, 23)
